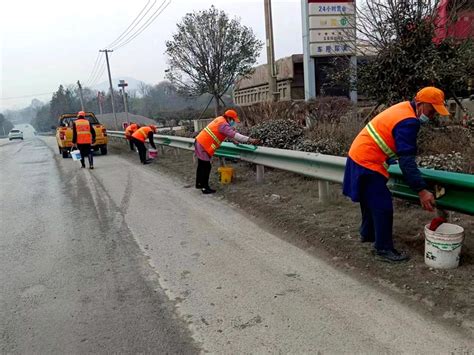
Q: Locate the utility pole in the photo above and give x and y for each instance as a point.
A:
(106, 51)
(99, 103)
(122, 85)
(308, 60)
(80, 95)
(272, 82)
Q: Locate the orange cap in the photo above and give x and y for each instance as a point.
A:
(434, 96)
(232, 114)
(81, 113)
(153, 127)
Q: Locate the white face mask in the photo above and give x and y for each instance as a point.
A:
(424, 119)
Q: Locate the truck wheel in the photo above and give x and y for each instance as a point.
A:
(65, 153)
(103, 150)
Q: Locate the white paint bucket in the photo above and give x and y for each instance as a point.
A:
(76, 155)
(443, 246)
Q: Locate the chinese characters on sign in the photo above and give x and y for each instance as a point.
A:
(331, 28)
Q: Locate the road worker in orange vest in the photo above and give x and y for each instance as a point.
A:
(209, 139)
(390, 136)
(129, 131)
(139, 138)
(83, 136)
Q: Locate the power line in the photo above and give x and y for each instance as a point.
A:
(150, 20)
(99, 74)
(26, 96)
(94, 68)
(127, 29)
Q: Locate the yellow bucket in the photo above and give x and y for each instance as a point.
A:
(225, 174)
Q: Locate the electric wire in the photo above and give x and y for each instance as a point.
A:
(94, 68)
(128, 29)
(150, 20)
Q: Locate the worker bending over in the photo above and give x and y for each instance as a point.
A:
(207, 142)
(390, 135)
(139, 138)
(83, 136)
(129, 131)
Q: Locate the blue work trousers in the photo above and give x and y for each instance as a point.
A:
(377, 211)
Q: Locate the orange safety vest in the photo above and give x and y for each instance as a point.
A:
(142, 133)
(130, 130)
(375, 143)
(210, 138)
(83, 131)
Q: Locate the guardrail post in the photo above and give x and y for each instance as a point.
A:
(176, 152)
(323, 188)
(162, 150)
(221, 162)
(260, 174)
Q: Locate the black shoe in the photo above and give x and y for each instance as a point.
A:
(208, 190)
(146, 162)
(391, 256)
(198, 186)
(83, 166)
(366, 239)
(91, 167)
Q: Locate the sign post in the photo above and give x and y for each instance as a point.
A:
(328, 31)
(122, 84)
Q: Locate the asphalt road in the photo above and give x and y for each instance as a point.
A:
(72, 277)
(124, 259)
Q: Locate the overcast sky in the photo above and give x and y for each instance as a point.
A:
(53, 42)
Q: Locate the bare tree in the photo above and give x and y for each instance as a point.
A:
(208, 52)
(144, 89)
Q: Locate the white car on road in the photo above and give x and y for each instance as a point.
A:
(15, 134)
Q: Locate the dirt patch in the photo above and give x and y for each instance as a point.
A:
(288, 204)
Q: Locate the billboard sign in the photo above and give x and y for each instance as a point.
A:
(331, 27)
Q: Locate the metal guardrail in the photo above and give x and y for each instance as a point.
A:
(458, 189)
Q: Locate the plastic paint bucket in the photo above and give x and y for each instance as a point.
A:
(443, 246)
(152, 153)
(225, 174)
(76, 155)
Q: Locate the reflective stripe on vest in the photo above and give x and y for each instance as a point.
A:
(380, 142)
(213, 136)
(83, 131)
(375, 143)
(210, 138)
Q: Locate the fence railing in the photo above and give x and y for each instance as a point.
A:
(455, 190)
